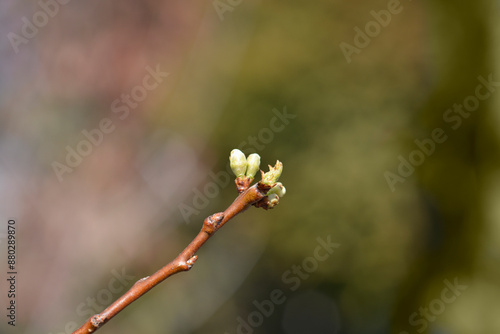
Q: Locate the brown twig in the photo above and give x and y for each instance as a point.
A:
(255, 195)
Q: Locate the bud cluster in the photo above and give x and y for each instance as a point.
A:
(245, 169)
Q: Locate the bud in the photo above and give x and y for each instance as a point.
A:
(273, 175)
(238, 163)
(273, 200)
(278, 189)
(253, 161)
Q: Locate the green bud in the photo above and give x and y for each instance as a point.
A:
(273, 175)
(253, 161)
(278, 189)
(238, 163)
(273, 200)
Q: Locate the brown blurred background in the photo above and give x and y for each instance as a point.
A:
(116, 123)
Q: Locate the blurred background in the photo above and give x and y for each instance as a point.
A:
(116, 124)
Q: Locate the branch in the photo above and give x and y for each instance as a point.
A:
(263, 194)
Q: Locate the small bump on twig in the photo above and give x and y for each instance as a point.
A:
(191, 261)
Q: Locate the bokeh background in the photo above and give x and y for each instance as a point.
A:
(269, 78)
